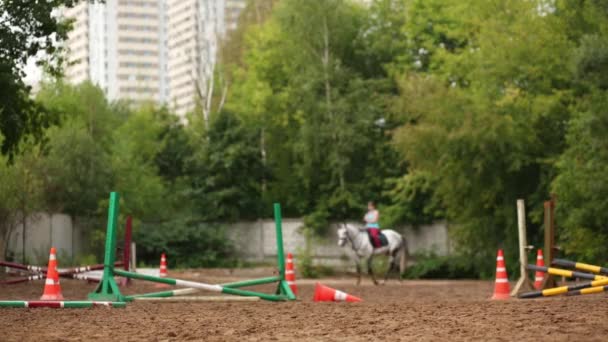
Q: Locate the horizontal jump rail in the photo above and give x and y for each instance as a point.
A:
(60, 304)
(565, 273)
(580, 266)
(62, 271)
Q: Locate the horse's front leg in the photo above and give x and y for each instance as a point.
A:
(370, 269)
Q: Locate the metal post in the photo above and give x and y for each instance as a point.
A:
(523, 282)
(283, 287)
(549, 280)
(133, 260)
(108, 289)
(126, 257)
(279, 236)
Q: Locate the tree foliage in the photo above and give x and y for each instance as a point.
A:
(436, 109)
(27, 30)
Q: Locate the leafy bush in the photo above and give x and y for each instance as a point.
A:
(432, 266)
(307, 267)
(186, 243)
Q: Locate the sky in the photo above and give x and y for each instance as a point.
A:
(33, 73)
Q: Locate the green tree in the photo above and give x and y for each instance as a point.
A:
(485, 107)
(225, 171)
(136, 145)
(27, 30)
(580, 184)
(318, 93)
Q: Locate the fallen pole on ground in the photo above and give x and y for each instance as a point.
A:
(200, 286)
(162, 294)
(563, 289)
(187, 291)
(591, 290)
(197, 299)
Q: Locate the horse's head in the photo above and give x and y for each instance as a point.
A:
(342, 235)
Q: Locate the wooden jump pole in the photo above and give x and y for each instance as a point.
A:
(524, 282)
(549, 250)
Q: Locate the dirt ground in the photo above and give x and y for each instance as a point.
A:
(408, 311)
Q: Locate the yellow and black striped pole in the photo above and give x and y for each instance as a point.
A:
(565, 289)
(580, 266)
(591, 290)
(565, 273)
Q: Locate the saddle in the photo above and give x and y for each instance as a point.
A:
(381, 237)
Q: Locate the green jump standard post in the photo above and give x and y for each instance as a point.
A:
(108, 290)
(283, 288)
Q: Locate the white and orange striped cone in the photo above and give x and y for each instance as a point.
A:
(327, 294)
(52, 288)
(539, 277)
(163, 271)
(290, 274)
(501, 287)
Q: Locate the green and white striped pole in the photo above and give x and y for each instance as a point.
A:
(200, 286)
(187, 291)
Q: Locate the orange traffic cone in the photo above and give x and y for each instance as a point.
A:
(540, 276)
(163, 271)
(290, 274)
(52, 289)
(501, 287)
(327, 294)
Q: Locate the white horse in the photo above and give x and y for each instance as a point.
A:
(363, 249)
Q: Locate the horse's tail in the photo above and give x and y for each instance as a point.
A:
(404, 256)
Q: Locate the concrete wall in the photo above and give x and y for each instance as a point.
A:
(255, 241)
(43, 230)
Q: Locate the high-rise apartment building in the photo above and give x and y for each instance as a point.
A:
(195, 29)
(121, 46)
(161, 50)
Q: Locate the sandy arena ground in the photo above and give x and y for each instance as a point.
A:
(410, 311)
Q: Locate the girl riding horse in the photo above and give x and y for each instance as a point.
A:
(371, 223)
